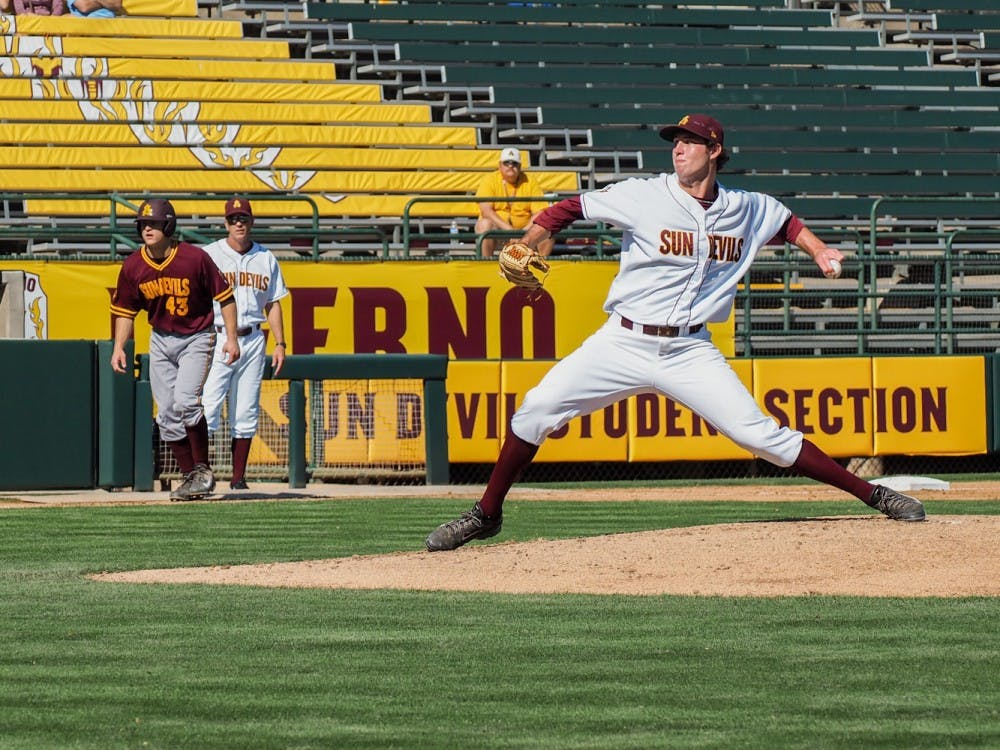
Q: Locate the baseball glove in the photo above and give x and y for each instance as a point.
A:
(518, 264)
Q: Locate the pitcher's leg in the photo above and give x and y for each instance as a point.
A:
(515, 456)
(606, 368)
(815, 464)
(700, 378)
(696, 375)
(610, 365)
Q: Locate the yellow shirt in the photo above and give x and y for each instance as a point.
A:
(516, 213)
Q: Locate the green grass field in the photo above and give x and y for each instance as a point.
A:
(102, 665)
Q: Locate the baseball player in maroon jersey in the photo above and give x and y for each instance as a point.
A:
(175, 283)
(687, 241)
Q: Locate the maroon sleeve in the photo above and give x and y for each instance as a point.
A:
(215, 282)
(560, 215)
(789, 231)
(126, 301)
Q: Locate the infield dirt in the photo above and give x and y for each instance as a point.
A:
(865, 555)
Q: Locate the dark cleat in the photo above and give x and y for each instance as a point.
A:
(896, 505)
(199, 483)
(472, 524)
(182, 492)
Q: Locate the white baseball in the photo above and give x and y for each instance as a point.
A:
(835, 269)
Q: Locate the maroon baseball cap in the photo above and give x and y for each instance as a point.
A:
(702, 126)
(238, 205)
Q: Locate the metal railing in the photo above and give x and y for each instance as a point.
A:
(944, 302)
(604, 241)
(117, 228)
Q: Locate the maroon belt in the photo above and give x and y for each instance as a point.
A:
(668, 331)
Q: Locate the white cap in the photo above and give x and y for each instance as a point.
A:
(510, 154)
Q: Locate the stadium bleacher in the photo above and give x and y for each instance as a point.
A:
(362, 105)
(210, 112)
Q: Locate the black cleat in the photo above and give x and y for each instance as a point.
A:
(240, 484)
(896, 505)
(472, 524)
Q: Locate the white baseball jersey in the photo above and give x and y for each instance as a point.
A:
(680, 263)
(255, 277)
(257, 281)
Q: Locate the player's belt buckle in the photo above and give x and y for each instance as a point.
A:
(667, 331)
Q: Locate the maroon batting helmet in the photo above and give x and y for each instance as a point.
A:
(157, 209)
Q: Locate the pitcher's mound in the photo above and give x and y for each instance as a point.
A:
(944, 556)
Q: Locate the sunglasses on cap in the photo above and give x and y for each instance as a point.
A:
(238, 219)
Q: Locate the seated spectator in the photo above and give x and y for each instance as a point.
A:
(95, 8)
(38, 7)
(508, 181)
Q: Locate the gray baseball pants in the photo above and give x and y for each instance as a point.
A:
(178, 366)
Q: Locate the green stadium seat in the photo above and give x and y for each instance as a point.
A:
(611, 75)
(748, 159)
(874, 185)
(695, 96)
(663, 55)
(955, 6)
(967, 21)
(819, 139)
(602, 34)
(599, 13)
(778, 118)
(575, 5)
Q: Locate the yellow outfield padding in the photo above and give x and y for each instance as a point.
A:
(121, 26)
(241, 180)
(327, 206)
(41, 111)
(201, 91)
(98, 46)
(120, 134)
(289, 157)
(184, 70)
(168, 8)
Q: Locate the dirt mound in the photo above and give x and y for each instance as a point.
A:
(867, 556)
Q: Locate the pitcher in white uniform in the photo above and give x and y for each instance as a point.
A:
(256, 278)
(687, 242)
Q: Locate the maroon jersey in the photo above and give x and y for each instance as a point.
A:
(176, 293)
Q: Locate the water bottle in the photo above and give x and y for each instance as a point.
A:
(453, 233)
